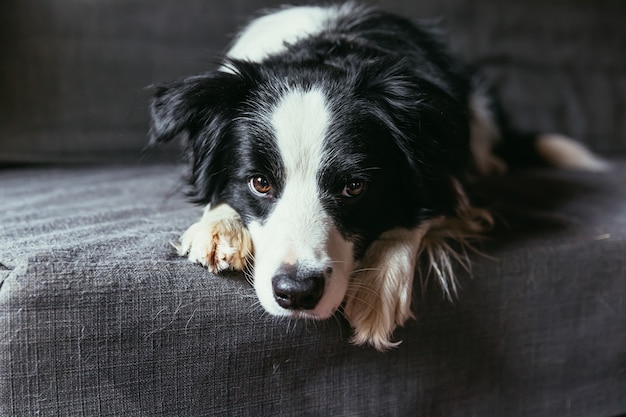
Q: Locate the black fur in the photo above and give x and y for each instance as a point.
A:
(401, 122)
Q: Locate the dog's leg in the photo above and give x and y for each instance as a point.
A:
(219, 241)
(380, 291)
(484, 135)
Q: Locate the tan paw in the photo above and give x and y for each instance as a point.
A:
(379, 295)
(374, 316)
(219, 241)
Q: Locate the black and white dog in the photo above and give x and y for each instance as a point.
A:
(330, 150)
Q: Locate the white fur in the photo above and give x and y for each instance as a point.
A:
(268, 35)
(563, 152)
(484, 136)
(298, 229)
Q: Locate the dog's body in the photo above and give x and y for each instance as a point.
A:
(330, 150)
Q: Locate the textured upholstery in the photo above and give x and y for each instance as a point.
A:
(99, 317)
(74, 73)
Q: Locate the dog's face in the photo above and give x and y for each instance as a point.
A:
(317, 166)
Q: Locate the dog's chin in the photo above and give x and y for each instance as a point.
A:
(311, 314)
(325, 309)
(318, 313)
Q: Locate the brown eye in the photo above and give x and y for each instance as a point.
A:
(354, 188)
(259, 185)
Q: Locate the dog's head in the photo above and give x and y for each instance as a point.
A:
(318, 162)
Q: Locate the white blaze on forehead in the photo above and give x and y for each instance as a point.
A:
(300, 122)
(298, 229)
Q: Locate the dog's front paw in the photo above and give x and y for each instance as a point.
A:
(219, 241)
(380, 292)
(374, 315)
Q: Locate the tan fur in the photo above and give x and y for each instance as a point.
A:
(380, 291)
(448, 241)
(219, 241)
(484, 136)
(379, 295)
(563, 152)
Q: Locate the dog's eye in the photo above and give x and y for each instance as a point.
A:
(259, 185)
(354, 188)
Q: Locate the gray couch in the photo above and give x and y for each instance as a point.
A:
(98, 317)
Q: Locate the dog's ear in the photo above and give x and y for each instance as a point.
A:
(428, 124)
(203, 107)
(192, 103)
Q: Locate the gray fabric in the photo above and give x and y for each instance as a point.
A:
(98, 317)
(73, 72)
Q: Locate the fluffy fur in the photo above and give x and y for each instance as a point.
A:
(330, 150)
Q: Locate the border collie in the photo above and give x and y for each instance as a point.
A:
(330, 149)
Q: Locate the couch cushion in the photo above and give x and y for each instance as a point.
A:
(99, 317)
(73, 73)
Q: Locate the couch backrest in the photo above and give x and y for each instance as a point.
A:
(74, 73)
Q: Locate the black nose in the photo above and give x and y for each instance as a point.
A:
(298, 288)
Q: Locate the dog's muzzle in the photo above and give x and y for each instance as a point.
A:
(299, 288)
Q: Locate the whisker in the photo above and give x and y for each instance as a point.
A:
(338, 322)
(363, 289)
(356, 271)
(337, 262)
(366, 302)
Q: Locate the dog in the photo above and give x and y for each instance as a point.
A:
(331, 149)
